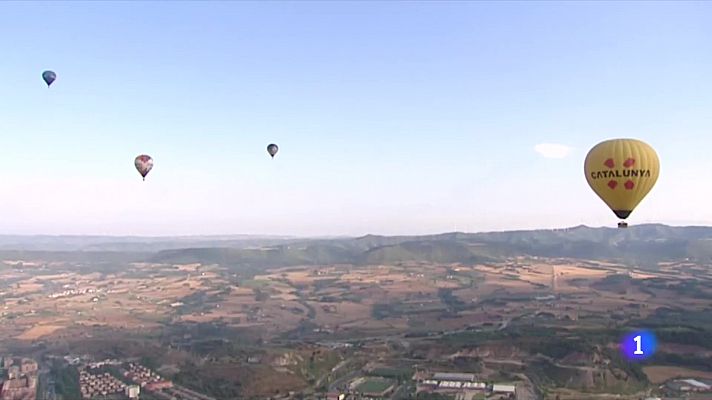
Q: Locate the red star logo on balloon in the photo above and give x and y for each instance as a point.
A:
(629, 185)
(629, 162)
(612, 184)
(610, 163)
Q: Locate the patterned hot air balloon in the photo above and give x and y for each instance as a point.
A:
(622, 172)
(272, 149)
(143, 164)
(49, 77)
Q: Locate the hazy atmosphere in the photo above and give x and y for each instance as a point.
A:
(391, 117)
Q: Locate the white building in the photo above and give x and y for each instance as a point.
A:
(450, 384)
(696, 384)
(132, 391)
(503, 388)
(453, 376)
(474, 385)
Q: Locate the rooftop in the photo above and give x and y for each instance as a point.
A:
(503, 388)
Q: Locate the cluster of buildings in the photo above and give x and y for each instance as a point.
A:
(146, 378)
(107, 362)
(335, 345)
(18, 379)
(94, 385)
(72, 292)
(453, 382)
(460, 385)
(689, 385)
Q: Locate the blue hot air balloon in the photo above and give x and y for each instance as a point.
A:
(49, 77)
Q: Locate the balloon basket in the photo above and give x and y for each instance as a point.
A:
(622, 224)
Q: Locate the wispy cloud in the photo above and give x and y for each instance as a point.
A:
(552, 150)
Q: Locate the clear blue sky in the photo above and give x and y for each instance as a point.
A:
(391, 117)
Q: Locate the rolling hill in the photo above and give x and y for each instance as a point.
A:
(641, 245)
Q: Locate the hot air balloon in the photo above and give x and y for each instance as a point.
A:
(143, 164)
(49, 77)
(622, 172)
(272, 149)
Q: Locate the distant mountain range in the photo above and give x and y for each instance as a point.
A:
(643, 245)
(131, 243)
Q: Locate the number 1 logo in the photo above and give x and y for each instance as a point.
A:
(638, 343)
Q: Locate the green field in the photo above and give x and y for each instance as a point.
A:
(374, 385)
(387, 372)
(254, 284)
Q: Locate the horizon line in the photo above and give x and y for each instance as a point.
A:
(229, 236)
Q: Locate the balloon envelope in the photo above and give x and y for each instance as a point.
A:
(143, 164)
(272, 149)
(49, 77)
(622, 172)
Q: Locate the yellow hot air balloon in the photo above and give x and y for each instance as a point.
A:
(622, 172)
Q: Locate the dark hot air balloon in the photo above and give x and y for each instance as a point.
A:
(143, 164)
(272, 149)
(49, 77)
